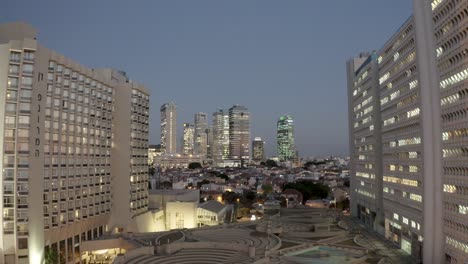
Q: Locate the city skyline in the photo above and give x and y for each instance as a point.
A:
(225, 52)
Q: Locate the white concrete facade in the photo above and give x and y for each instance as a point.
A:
(57, 143)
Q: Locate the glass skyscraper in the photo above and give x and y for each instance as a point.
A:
(285, 136)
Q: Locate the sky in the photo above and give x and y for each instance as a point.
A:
(275, 57)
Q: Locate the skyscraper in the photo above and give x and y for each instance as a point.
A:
(239, 133)
(220, 148)
(422, 79)
(258, 149)
(67, 131)
(169, 128)
(188, 139)
(285, 136)
(201, 124)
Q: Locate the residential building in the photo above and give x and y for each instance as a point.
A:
(285, 136)
(258, 149)
(423, 79)
(239, 133)
(170, 161)
(201, 124)
(70, 127)
(220, 147)
(188, 139)
(169, 128)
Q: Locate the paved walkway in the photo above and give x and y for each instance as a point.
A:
(373, 241)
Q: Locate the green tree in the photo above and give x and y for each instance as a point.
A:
(267, 188)
(230, 197)
(194, 165)
(200, 183)
(166, 185)
(271, 163)
(50, 256)
(223, 176)
(309, 189)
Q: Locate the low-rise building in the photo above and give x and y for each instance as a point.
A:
(211, 213)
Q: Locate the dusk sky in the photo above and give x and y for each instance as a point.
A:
(274, 57)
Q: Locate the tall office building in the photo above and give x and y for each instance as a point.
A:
(258, 149)
(63, 123)
(285, 138)
(169, 128)
(188, 139)
(422, 83)
(209, 142)
(220, 148)
(201, 124)
(239, 133)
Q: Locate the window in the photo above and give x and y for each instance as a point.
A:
(14, 69)
(28, 68)
(12, 82)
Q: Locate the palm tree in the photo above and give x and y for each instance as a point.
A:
(50, 256)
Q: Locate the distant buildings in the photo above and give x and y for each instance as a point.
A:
(408, 127)
(258, 149)
(169, 128)
(153, 151)
(285, 138)
(201, 140)
(239, 133)
(220, 148)
(188, 139)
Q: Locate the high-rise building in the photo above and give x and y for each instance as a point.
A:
(209, 142)
(365, 140)
(201, 124)
(422, 83)
(188, 139)
(258, 149)
(239, 133)
(220, 148)
(169, 128)
(285, 136)
(73, 137)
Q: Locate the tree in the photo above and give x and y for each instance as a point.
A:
(50, 256)
(223, 176)
(271, 163)
(166, 185)
(194, 165)
(200, 183)
(309, 189)
(229, 197)
(267, 188)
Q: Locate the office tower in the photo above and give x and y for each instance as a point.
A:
(209, 142)
(188, 139)
(423, 75)
(201, 124)
(61, 131)
(239, 133)
(168, 128)
(220, 136)
(285, 136)
(365, 140)
(258, 149)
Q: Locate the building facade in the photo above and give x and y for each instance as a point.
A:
(220, 148)
(365, 140)
(59, 120)
(285, 138)
(239, 133)
(423, 79)
(201, 140)
(188, 139)
(258, 149)
(169, 128)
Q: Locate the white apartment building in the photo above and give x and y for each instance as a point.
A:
(61, 126)
(423, 82)
(365, 140)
